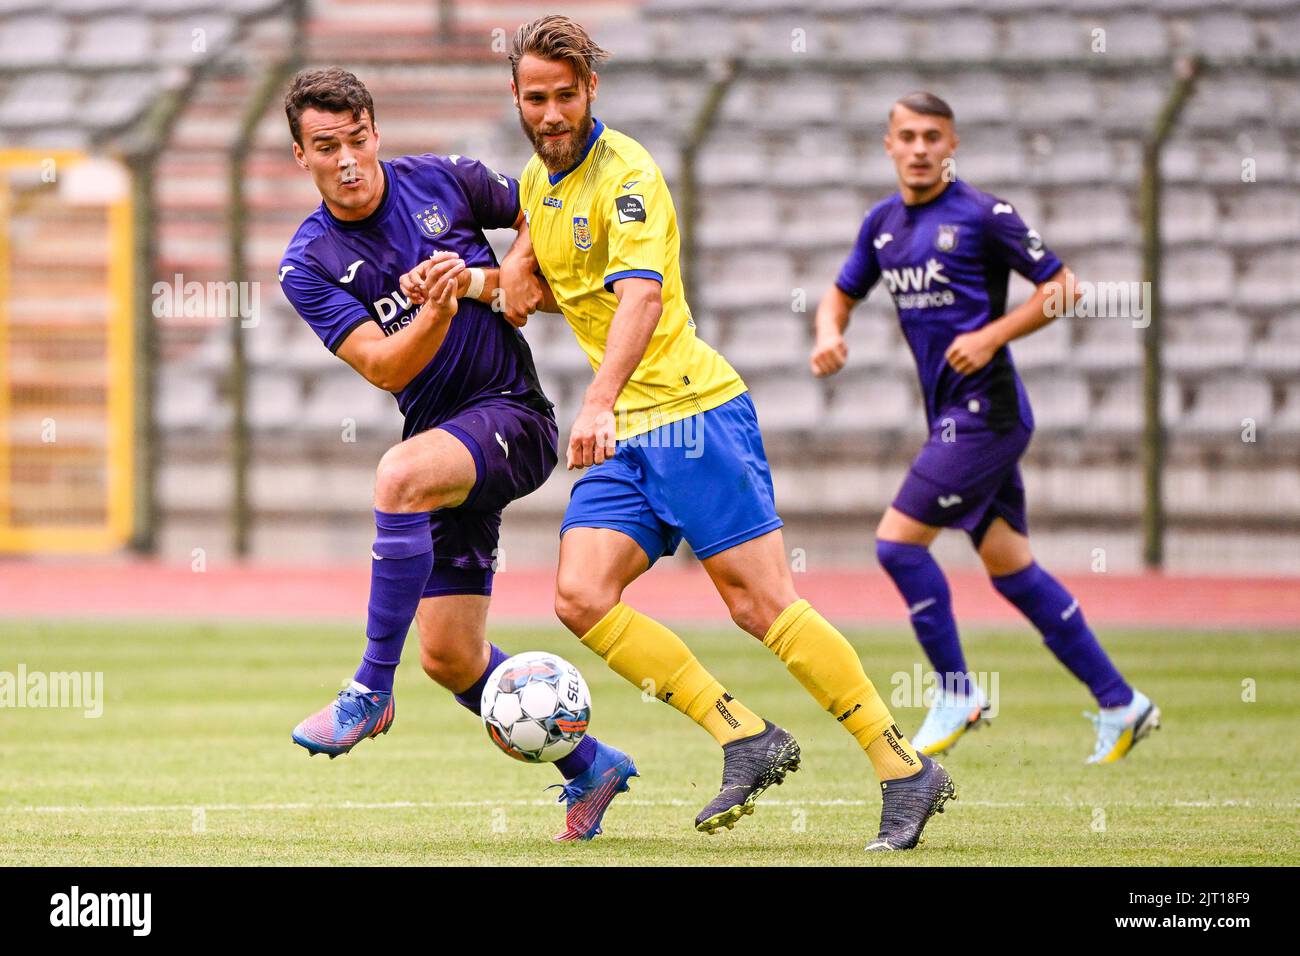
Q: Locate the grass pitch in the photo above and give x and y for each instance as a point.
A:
(191, 761)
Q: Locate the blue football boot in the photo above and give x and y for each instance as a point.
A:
(590, 794)
(340, 726)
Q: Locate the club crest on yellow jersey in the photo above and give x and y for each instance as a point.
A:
(581, 233)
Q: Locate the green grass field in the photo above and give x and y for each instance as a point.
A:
(191, 761)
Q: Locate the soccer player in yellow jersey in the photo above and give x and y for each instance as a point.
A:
(671, 439)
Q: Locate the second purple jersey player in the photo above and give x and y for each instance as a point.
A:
(944, 251)
(393, 272)
(946, 263)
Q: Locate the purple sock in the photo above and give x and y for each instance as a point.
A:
(574, 765)
(924, 589)
(401, 560)
(1058, 617)
(472, 698)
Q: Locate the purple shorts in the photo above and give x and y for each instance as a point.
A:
(968, 480)
(514, 453)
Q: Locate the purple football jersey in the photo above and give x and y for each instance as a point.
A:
(946, 263)
(340, 274)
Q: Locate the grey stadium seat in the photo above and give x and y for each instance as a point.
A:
(1287, 421)
(1048, 348)
(115, 41)
(1188, 215)
(186, 401)
(1202, 345)
(1221, 404)
(1224, 34)
(1060, 402)
(1271, 280)
(1109, 345)
(1046, 36)
(1261, 215)
(1197, 277)
(1090, 216)
(345, 395)
(874, 403)
(1119, 410)
(1279, 351)
(34, 41)
(41, 99)
(763, 344)
(787, 403)
(875, 343)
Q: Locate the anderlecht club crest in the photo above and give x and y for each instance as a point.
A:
(946, 241)
(581, 233)
(431, 221)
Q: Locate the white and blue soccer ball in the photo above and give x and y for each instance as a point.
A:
(536, 707)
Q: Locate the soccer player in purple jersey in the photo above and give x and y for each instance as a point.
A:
(393, 271)
(944, 250)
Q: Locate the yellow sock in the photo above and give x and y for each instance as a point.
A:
(643, 651)
(825, 663)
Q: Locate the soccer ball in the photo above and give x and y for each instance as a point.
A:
(536, 707)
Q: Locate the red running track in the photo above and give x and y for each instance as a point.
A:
(123, 589)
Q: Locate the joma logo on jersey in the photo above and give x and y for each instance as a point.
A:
(581, 233)
(431, 221)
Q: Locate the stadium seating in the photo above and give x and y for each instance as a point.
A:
(791, 164)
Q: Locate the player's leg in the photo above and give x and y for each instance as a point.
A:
(952, 483)
(455, 651)
(428, 471)
(514, 449)
(596, 565)
(755, 582)
(1126, 715)
(903, 550)
(735, 531)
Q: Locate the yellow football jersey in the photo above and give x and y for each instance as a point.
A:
(611, 217)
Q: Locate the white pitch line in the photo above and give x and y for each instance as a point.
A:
(482, 804)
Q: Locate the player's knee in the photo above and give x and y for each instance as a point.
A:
(396, 480)
(581, 605)
(449, 669)
(895, 556)
(1004, 558)
(751, 613)
(1000, 565)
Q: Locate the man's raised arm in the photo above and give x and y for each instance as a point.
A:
(640, 304)
(523, 290)
(390, 362)
(971, 351)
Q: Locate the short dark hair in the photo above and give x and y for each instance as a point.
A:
(927, 104)
(330, 89)
(557, 37)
